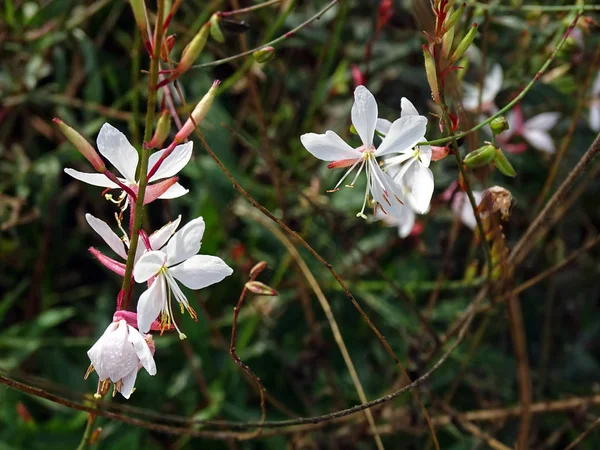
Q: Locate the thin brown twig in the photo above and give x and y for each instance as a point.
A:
(582, 436)
(476, 431)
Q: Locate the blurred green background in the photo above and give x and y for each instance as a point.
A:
(83, 61)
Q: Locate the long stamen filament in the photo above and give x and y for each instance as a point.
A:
(346, 174)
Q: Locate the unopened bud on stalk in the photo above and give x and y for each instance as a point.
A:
(82, 145)
(193, 49)
(499, 124)
(168, 45)
(465, 43)
(215, 28)
(198, 113)
(503, 164)
(162, 130)
(447, 41)
(139, 14)
(480, 157)
(260, 288)
(258, 268)
(431, 74)
(454, 17)
(264, 54)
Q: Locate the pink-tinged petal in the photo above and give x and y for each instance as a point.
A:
(364, 115)
(328, 146)
(539, 139)
(148, 266)
(545, 121)
(154, 191)
(407, 108)
(201, 271)
(595, 116)
(340, 163)
(425, 154)
(174, 191)
(129, 317)
(186, 242)
(114, 357)
(386, 193)
(102, 228)
(404, 134)
(160, 237)
(173, 163)
(115, 147)
(95, 179)
(109, 263)
(128, 383)
(383, 126)
(152, 301)
(142, 350)
(418, 182)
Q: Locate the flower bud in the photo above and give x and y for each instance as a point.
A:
(447, 41)
(264, 54)
(480, 157)
(167, 46)
(260, 288)
(82, 145)
(465, 43)
(215, 28)
(198, 113)
(431, 74)
(162, 130)
(454, 17)
(137, 6)
(258, 268)
(193, 49)
(499, 124)
(503, 164)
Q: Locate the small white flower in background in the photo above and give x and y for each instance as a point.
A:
(404, 224)
(492, 84)
(595, 106)
(404, 133)
(178, 261)
(114, 146)
(462, 207)
(536, 131)
(118, 355)
(410, 168)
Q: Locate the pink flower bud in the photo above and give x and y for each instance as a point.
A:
(162, 130)
(82, 145)
(193, 49)
(109, 263)
(258, 268)
(260, 288)
(198, 113)
(153, 191)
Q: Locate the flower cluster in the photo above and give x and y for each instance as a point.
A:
(164, 260)
(399, 181)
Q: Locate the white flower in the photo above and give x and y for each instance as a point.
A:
(492, 84)
(595, 106)
(536, 131)
(404, 224)
(114, 146)
(462, 207)
(404, 133)
(118, 355)
(410, 168)
(177, 261)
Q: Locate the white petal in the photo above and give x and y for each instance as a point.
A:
(545, 121)
(406, 225)
(95, 353)
(200, 271)
(470, 97)
(115, 147)
(596, 86)
(418, 181)
(328, 146)
(160, 237)
(116, 356)
(152, 301)
(142, 350)
(176, 161)
(186, 242)
(425, 155)
(404, 134)
(383, 126)
(539, 139)
(128, 383)
(95, 179)
(492, 84)
(407, 108)
(462, 206)
(102, 228)
(595, 117)
(364, 115)
(388, 194)
(148, 265)
(174, 191)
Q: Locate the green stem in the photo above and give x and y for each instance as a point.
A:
(540, 8)
(517, 99)
(87, 433)
(143, 168)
